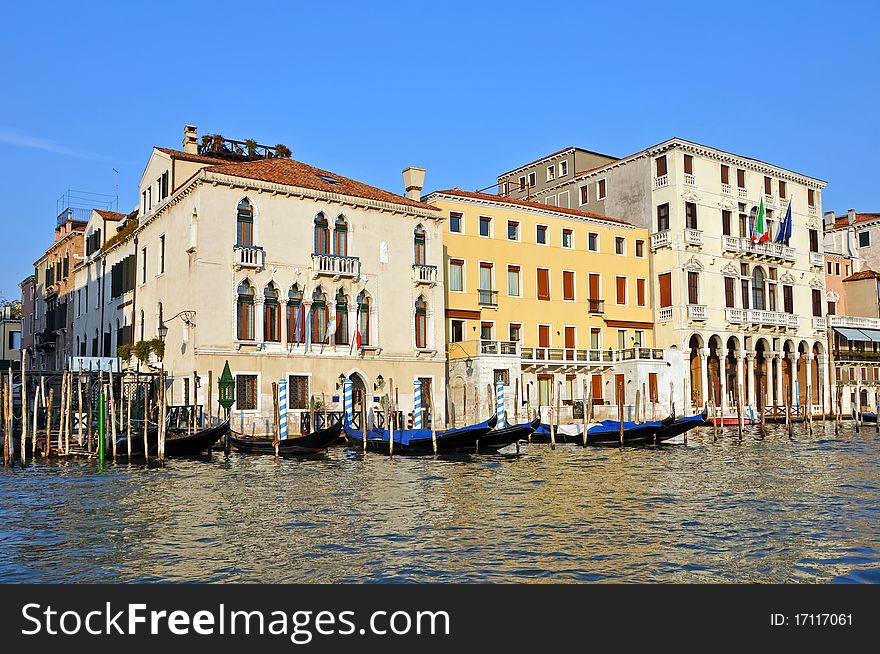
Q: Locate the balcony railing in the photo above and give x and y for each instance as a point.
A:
(736, 316)
(817, 259)
(661, 239)
(574, 356)
(760, 318)
(741, 193)
(725, 189)
(595, 306)
(813, 211)
(665, 314)
(499, 348)
(769, 200)
(856, 356)
(770, 250)
(819, 323)
(424, 273)
(689, 179)
(854, 321)
(693, 236)
(660, 182)
(335, 265)
(250, 256)
(697, 312)
(488, 298)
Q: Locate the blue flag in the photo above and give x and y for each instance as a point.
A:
(783, 233)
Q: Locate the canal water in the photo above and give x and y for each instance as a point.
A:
(769, 509)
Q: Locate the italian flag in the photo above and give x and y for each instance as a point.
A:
(761, 234)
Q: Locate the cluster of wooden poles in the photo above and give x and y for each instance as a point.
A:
(63, 438)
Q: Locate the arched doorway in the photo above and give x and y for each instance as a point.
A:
(716, 358)
(761, 365)
(696, 390)
(359, 394)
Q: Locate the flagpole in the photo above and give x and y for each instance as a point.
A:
(357, 317)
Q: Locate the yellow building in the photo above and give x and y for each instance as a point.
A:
(546, 299)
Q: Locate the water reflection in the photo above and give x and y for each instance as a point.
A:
(769, 509)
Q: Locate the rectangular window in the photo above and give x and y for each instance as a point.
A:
(729, 292)
(781, 189)
(640, 248)
(771, 296)
(456, 331)
(563, 168)
(541, 234)
(660, 162)
(817, 302)
(593, 242)
(162, 254)
(693, 287)
(486, 277)
(600, 189)
(514, 332)
(566, 238)
(653, 388)
(688, 164)
(690, 215)
(570, 338)
(513, 281)
(619, 245)
(744, 287)
(814, 240)
(740, 178)
(551, 173)
(144, 266)
(620, 286)
(640, 292)
(725, 222)
(568, 285)
(811, 197)
(828, 265)
(456, 275)
(832, 308)
(246, 392)
(522, 183)
(768, 186)
(663, 217)
(543, 335)
(550, 200)
(725, 174)
(837, 268)
(787, 299)
(298, 392)
(485, 226)
(486, 329)
(455, 220)
(664, 282)
(596, 392)
(585, 194)
(638, 338)
(864, 239)
(512, 230)
(622, 344)
(533, 179)
(595, 338)
(543, 284)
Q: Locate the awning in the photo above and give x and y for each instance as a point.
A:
(854, 334)
(872, 334)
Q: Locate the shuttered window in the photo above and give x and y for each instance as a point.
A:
(729, 292)
(621, 289)
(817, 302)
(543, 284)
(741, 178)
(664, 281)
(688, 165)
(693, 287)
(725, 174)
(787, 299)
(661, 165)
(640, 292)
(567, 285)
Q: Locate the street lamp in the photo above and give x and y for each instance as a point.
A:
(187, 317)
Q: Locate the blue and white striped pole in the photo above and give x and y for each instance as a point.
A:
(282, 410)
(348, 400)
(417, 404)
(499, 399)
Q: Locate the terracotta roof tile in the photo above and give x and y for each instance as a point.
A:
(186, 156)
(533, 205)
(843, 221)
(110, 215)
(296, 173)
(865, 274)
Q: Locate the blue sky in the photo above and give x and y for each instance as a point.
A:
(466, 90)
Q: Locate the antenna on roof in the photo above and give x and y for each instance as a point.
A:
(117, 188)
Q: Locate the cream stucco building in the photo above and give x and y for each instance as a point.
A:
(277, 267)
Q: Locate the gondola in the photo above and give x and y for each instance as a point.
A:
(185, 444)
(419, 441)
(313, 443)
(683, 424)
(864, 416)
(633, 433)
(498, 439)
(574, 432)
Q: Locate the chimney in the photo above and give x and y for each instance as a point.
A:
(829, 219)
(413, 181)
(190, 139)
(850, 216)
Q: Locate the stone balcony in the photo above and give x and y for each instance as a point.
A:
(761, 318)
(336, 266)
(661, 239)
(745, 247)
(424, 274)
(249, 256)
(660, 182)
(697, 312)
(725, 189)
(689, 179)
(817, 259)
(854, 321)
(693, 237)
(819, 323)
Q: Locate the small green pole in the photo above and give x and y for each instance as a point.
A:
(101, 428)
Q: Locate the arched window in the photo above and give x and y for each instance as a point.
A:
(271, 315)
(419, 255)
(341, 337)
(322, 235)
(296, 320)
(364, 318)
(758, 288)
(320, 316)
(245, 313)
(245, 231)
(340, 237)
(421, 323)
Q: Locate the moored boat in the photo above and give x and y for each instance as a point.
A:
(419, 441)
(682, 425)
(181, 443)
(313, 443)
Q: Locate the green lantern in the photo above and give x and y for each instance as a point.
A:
(226, 386)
